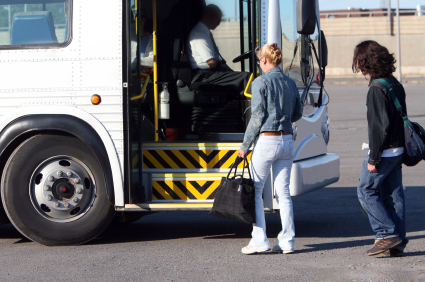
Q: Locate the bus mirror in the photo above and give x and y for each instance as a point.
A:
(323, 49)
(306, 16)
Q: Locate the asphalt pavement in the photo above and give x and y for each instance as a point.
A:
(332, 235)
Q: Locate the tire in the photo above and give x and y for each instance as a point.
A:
(3, 216)
(50, 208)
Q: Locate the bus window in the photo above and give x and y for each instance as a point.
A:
(34, 22)
(227, 35)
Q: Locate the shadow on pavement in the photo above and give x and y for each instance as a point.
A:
(325, 213)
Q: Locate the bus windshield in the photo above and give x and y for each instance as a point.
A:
(231, 34)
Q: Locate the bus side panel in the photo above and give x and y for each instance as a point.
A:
(91, 64)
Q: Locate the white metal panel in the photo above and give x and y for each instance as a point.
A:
(43, 74)
(44, 80)
(102, 28)
(306, 176)
(100, 129)
(101, 72)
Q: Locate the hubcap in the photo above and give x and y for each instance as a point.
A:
(70, 195)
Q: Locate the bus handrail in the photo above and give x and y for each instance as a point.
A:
(155, 69)
(248, 85)
(147, 77)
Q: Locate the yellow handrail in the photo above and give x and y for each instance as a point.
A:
(147, 77)
(135, 6)
(248, 85)
(155, 70)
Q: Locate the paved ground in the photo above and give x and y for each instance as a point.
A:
(331, 243)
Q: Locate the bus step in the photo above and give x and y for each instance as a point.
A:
(166, 207)
(188, 157)
(187, 187)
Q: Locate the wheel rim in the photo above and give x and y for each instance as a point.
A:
(62, 189)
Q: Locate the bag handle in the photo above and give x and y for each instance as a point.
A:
(393, 97)
(245, 163)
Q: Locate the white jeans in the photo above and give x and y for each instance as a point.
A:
(277, 153)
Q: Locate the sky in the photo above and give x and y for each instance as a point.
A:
(228, 6)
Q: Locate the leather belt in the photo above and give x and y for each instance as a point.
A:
(274, 133)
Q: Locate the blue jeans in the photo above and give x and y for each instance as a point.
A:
(277, 153)
(382, 197)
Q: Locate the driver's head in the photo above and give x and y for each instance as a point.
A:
(211, 16)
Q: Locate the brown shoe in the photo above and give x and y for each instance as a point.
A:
(384, 244)
(393, 253)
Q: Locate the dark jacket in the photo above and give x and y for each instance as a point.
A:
(385, 125)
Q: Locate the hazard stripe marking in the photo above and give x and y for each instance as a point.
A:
(157, 157)
(147, 155)
(175, 159)
(184, 189)
(164, 194)
(156, 195)
(190, 159)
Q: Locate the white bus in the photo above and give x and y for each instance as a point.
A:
(85, 137)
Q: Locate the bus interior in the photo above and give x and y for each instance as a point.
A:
(199, 111)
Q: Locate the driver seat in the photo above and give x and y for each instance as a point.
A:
(195, 93)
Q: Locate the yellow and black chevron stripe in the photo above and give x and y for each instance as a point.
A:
(184, 189)
(189, 159)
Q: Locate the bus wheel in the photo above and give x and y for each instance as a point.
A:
(53, 191)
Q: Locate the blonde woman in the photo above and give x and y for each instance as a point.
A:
(275, 104)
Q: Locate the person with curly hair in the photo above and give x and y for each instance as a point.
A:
(380, 189)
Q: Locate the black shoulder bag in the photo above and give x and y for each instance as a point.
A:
(235, 197)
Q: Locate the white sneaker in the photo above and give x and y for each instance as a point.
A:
(277, 249)
(249, 250)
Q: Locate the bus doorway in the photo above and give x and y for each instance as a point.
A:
(185, 152)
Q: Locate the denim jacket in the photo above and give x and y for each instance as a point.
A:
(275, 104)
(385, 125)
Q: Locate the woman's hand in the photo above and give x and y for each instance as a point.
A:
(372, 168)
(241, 154)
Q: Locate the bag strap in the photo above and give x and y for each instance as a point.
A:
(393, 97)
(234, 166)
(245, 161)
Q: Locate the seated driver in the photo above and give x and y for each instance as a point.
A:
(204, 56)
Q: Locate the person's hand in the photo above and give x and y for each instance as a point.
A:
(372, 168)
(241, 154)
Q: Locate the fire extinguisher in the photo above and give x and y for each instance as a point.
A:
(164, 103)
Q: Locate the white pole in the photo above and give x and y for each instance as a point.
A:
(389, 11)
(274, 33)
(398, 43)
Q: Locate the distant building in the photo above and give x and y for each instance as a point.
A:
(353, 13)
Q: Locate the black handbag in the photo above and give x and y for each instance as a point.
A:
(235, 197)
